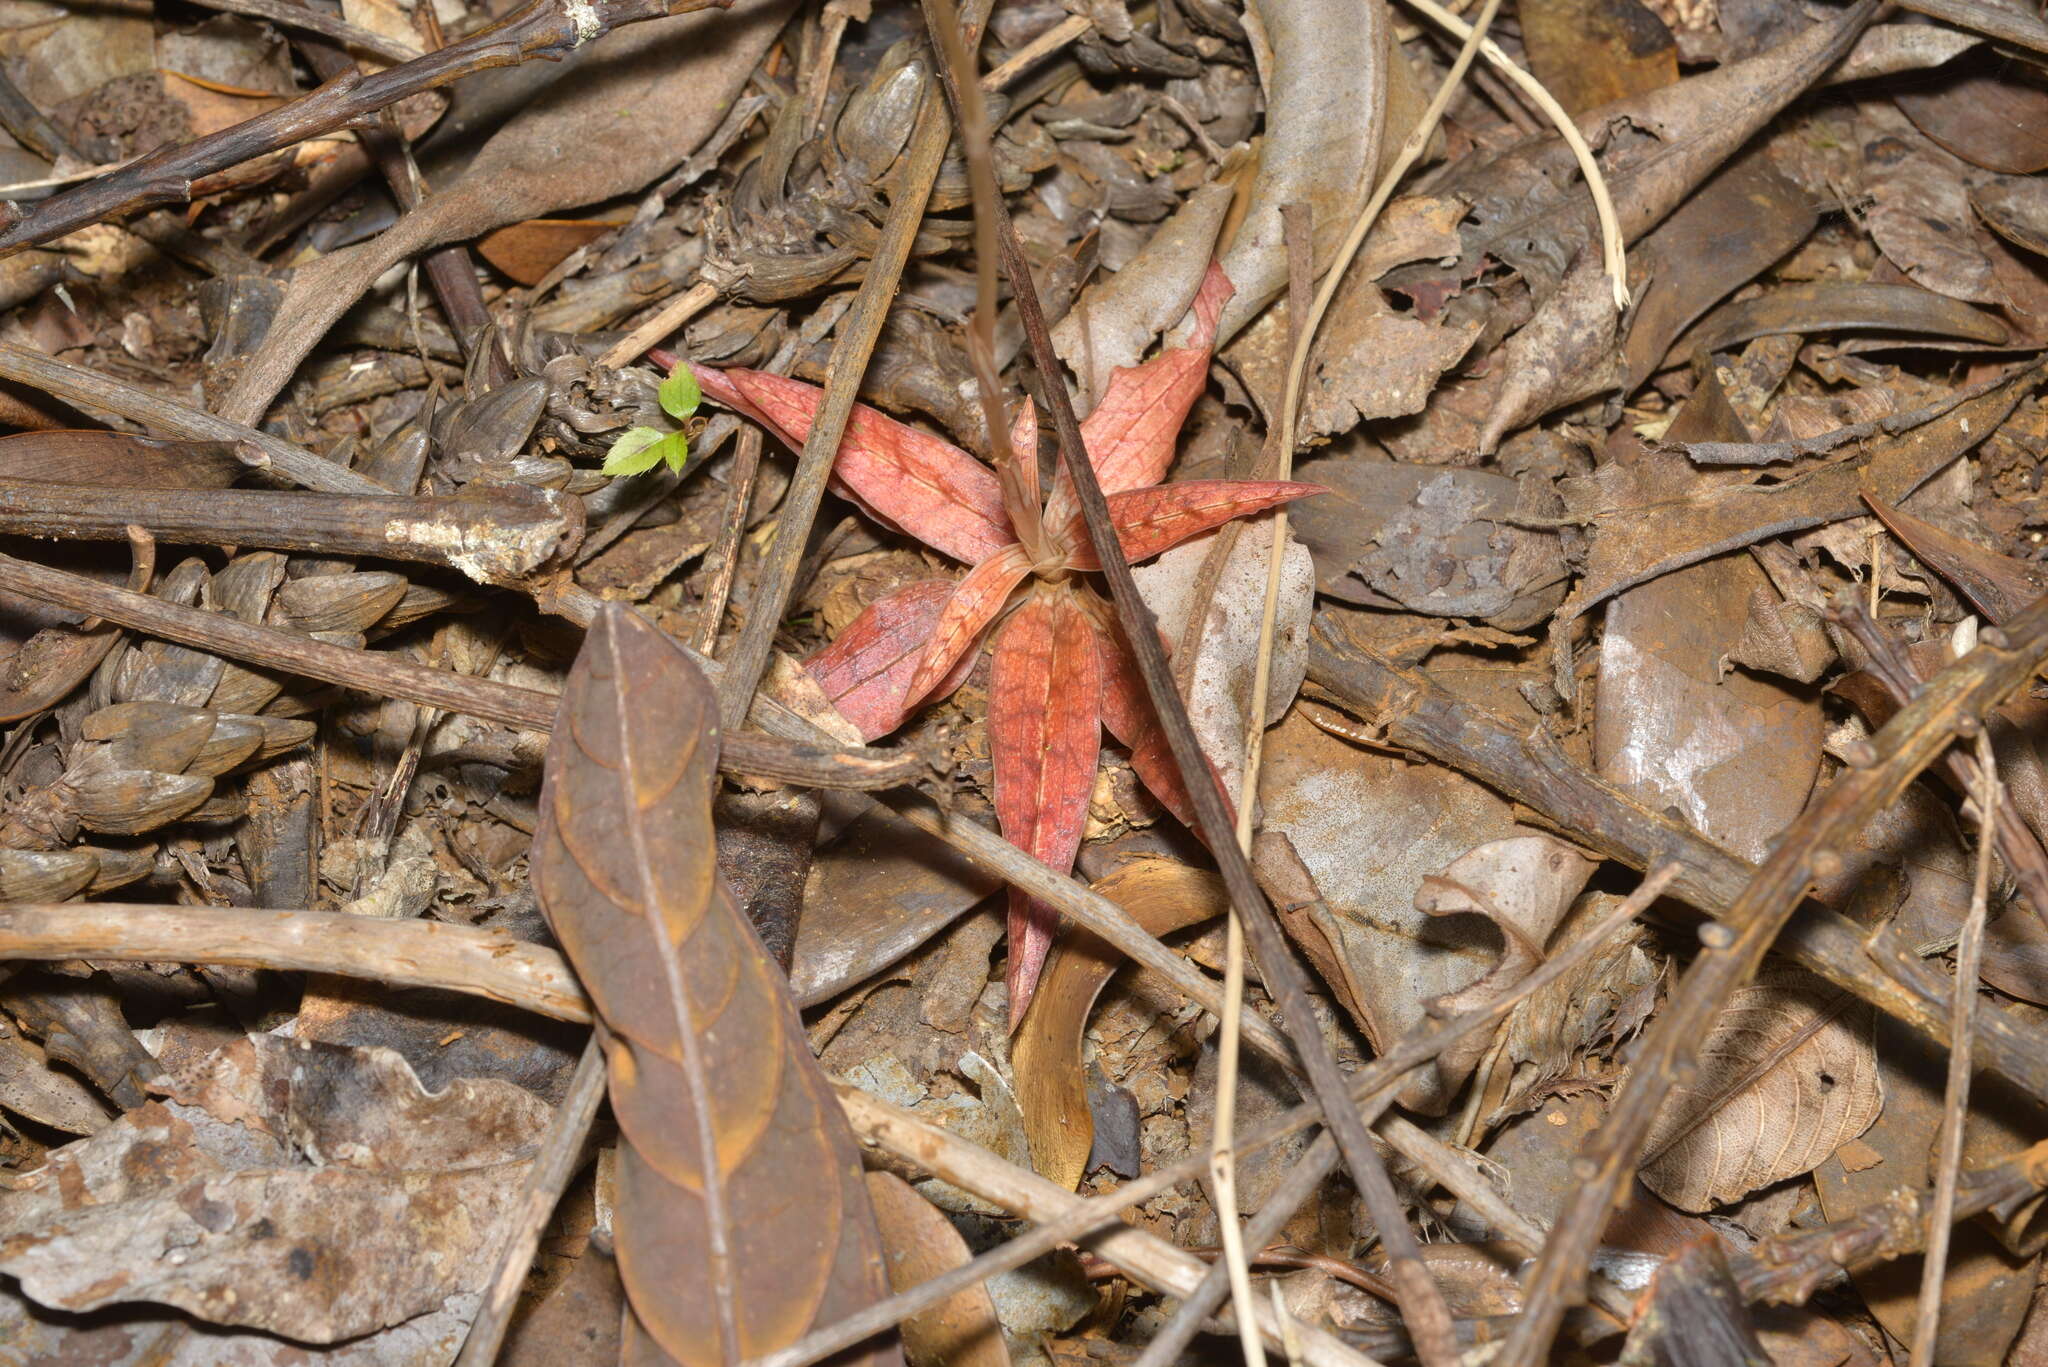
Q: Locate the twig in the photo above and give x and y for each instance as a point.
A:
(546, 28)
(382, 674)
(2007, 25)
(1035, 51)
(312, 20)
(848, 364)
(1951, 704)
(497, 536)
(1421, 716)
(660, 324)
(76, 384)
(1422, 1304)
(1955, 1102)
(746, 464)
(561, 1151)
(1612, 247)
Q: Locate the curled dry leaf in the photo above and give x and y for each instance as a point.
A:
(1046, 1053)
(308, 1190)
(743, 1221)
(1787, 1076)
(1524, 885)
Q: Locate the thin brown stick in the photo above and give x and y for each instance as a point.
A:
(660, 324)
(858, 333)
(561, 1154)
(310, 20)
(1953, 703)
(1422, 1303)
(746, 465)
(1955, 1102)
(821, 766)
(165, 417)
(546, 28)
(1035, 51)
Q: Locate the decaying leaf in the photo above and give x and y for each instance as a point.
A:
(304, 1189)
(1046, 1052)
(743, 1219)
(919, 1244)
(1787, 1076)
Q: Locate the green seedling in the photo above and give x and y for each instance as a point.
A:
(640, 449)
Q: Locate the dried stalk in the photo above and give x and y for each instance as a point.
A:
(1951, 704)
(546, 28)
(660, 324)
(166, 417)
(1955, 1101)
(1422, 1304)
(820, 766)
(1413, 713)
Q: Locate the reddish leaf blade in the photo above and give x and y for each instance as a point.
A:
(1161, 516)
(1131, 435)
(867, 671)
(1024, 446)
(914, 481)
(743, 1220)
(1127, 712)
(975, 602)
(1044, 735)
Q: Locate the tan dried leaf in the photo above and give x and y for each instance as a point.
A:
(1786, 1077)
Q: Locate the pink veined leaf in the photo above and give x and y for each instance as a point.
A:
(975, 602)
(866, 672)
(1159, 517)
(1024, 446)
(917, 482)
(1044, 735)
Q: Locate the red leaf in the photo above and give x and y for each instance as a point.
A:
(1044, 734)
(1128, 713)
(1130, 437)
(1161, 516)
(928, 487)
(975, 602)
(1024, 446)
(867, 671)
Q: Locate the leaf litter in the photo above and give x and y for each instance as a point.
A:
(1573, 592)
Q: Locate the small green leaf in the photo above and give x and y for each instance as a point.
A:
(675, 449)
(679, 393)
(637, 451)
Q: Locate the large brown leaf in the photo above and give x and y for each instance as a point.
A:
(742, 1219)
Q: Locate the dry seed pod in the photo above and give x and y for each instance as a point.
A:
(117, 868)
(168, 744)
(341, 602)
(421, 600)
(235, 739)
(45, 875)
(131, 801)
(244, 690)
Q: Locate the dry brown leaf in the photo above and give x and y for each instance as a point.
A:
(308, 1190)
(1592, 52)
(528, 251)
(1046, 1053)
(919, 1244)
(743, 1221)
(1787, 1075)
